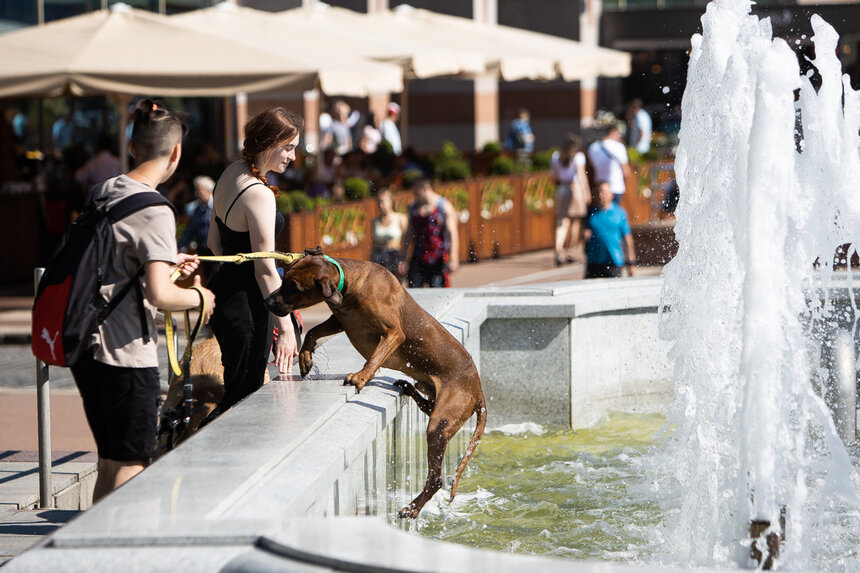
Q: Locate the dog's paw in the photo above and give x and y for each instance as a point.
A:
(408, 512)
(356, 379)
(306, 360)
(405, 387)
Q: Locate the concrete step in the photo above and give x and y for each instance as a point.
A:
(22, 529)
(73, 476)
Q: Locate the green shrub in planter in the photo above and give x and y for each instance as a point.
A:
(356, 188)
(283, 204)
(492, 147)
(502, 165)
(450, 165)
(540, 159)
(294, 201)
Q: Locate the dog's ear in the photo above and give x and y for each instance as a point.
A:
(329, 291)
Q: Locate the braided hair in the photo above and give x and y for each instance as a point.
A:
(267, 130)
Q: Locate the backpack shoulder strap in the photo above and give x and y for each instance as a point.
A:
(121, 210)
(135, 202)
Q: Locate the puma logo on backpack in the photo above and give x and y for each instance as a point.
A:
(68, 307)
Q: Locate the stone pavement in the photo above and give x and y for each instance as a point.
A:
(21, 524)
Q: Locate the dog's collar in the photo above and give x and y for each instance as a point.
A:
(339, 272)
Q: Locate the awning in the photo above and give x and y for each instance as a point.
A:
(340, 71)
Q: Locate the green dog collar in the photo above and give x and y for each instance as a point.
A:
(339, 272)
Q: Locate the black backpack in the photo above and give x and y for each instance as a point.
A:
(68, 307)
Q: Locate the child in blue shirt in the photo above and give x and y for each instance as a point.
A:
(606, 231)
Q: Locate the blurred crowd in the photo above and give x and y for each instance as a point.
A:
(359, 154)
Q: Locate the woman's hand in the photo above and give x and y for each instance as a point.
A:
(285, 347)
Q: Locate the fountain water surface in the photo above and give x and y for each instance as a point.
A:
(768, 168)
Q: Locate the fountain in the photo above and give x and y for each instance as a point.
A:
(763, 352)
(751, 470)
(769, 193)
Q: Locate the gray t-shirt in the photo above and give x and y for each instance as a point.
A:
(148, 235)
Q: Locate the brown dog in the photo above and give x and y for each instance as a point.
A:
(388, 328)
(207, 389)
(207, 384)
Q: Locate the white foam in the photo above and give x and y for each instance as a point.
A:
(523, 428)
(754, 215)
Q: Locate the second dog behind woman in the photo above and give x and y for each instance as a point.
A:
(245, 219)
(388, 229)
(572, 196)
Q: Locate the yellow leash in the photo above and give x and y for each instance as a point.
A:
(175, 367)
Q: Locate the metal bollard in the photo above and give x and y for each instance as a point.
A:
(43, 405)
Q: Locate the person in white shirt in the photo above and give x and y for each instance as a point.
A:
(389, 130)
(572, 196)
(608, 156)
(638, 127)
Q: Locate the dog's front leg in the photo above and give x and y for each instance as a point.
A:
(327, 328)
(387, 344)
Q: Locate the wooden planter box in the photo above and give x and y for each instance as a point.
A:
(498, 216)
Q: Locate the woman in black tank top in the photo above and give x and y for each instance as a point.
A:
(244, 219)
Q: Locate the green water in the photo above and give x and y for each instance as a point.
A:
(580, 494)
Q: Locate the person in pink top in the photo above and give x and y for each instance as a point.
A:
(572, 197)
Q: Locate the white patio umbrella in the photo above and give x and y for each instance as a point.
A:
(519, 54)
(340, 71)
(349, 32)
(128, 51)
(410, 36)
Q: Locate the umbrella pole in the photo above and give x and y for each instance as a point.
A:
(241, 118)
(229, 131)
(311, 99)
(404, 114)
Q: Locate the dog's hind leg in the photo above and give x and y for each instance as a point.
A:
(408, 389)
(440, 430)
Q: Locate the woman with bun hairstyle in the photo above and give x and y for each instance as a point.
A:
(245, 220)
(118, 375)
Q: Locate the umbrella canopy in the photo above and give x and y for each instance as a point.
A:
(519, 54)
(349, 32)
(340, 71)
(127, 51)
(408, 35)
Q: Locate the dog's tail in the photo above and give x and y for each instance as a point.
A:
(480, 426)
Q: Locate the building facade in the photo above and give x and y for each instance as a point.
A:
(471, 113)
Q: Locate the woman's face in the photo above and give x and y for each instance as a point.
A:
(278, 158)
(385, 203)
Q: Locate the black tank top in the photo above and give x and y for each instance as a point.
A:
(233, 242)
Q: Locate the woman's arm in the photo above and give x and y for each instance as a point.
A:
(213, 241)
(582, 177)
(452, 221)
(403, 265)
(258, 204)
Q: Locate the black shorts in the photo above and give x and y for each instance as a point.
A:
(599, 271)
(421, 274)
(121, 405)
